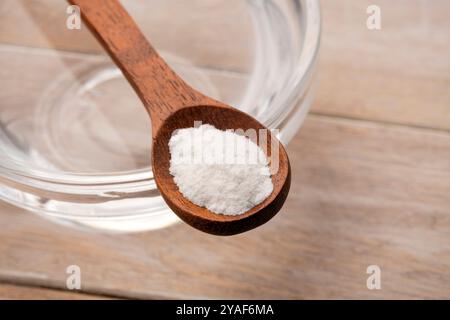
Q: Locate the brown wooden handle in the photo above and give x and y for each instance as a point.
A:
(161, 90)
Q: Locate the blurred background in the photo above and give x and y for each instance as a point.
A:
(370, 164)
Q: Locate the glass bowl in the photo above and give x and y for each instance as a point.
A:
(74, 138)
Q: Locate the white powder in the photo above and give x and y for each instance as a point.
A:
(225, 172)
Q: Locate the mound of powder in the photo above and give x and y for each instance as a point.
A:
(221, 170)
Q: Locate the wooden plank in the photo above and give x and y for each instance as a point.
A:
(15, 292)
(399, 74)
(42, 23)
(363, 194)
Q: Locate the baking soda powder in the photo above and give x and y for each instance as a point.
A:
(221, 170)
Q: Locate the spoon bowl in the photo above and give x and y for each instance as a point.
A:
(172, 104)
(223, 118)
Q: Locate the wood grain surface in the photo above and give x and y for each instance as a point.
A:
(370, 186)
(33, 23)
(386, 204)
(15, 292)
(399, 74)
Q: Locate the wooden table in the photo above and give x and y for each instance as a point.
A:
(371, 186)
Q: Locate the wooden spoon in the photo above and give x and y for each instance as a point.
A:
(172, 104)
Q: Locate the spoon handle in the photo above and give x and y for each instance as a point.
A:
(161, 90)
